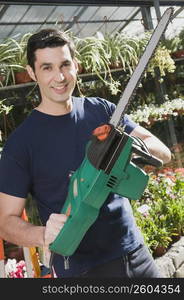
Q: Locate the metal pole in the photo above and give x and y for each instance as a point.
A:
(157, 9)
(146, 17)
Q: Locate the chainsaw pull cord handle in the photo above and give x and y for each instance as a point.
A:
(102, 132)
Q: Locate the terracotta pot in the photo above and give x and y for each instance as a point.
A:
(159, 251)
(22, 77)
(178, 54)
(2, 78)
(13, 251)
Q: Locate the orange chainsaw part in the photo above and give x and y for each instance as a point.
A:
(24, 216)
(1, 250)
(102, 132)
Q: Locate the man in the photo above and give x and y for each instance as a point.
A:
(41, 153)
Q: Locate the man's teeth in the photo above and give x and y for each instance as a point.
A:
(59, 87)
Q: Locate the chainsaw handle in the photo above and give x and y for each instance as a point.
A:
(145, 157)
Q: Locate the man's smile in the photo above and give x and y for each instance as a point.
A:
(60, 89)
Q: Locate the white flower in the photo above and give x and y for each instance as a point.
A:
(10, 266)
(169, 181)
(143, 209)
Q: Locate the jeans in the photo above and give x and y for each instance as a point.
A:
(136, 264)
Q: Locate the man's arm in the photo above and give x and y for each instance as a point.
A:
(155, 146)
(17, 231)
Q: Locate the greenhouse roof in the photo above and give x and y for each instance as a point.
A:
(85, 18)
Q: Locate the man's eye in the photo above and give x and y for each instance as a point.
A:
(47, 68)
(67, 64)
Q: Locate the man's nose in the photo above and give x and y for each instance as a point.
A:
(59, 76)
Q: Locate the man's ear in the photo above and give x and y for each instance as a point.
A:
(31, 72)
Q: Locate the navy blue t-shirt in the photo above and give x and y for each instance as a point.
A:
(38, 158)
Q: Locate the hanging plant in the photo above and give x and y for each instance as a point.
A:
(93, 58)
(163, 61)
(161, 58)
(19, 72)
(7, 53)
(122, 51)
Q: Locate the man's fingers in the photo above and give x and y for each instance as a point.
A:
(53, 227)
(57, 218)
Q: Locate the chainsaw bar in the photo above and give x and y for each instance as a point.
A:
(136, 77)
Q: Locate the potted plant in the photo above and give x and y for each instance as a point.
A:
(19, 60)
(7, 53)
(175, 45)
(161, 58)
(179, 51)
(122, 51)
(163, 61)
(93, 58)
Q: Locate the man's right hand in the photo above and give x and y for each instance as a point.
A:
(53, 226)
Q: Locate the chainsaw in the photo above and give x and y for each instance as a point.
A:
(109, 165)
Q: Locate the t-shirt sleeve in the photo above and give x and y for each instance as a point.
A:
(14, 176)
(126, 122)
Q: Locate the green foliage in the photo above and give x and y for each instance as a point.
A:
(175, 43)
(19, 45)
(93, 58)
(7, 52)
(122, 51)
(160, 211)
(163, 61)
(5, 109)
(32, 211)
(100, 53)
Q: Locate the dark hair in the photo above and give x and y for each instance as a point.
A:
(47, 38)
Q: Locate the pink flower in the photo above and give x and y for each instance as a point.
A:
(15, 270)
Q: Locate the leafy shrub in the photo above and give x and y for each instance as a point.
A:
(160, 211)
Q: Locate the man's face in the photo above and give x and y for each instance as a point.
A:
(55, 73)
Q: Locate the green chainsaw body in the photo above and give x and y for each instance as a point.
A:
(91, 184)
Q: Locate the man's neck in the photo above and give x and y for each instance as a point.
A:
(55, 109)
